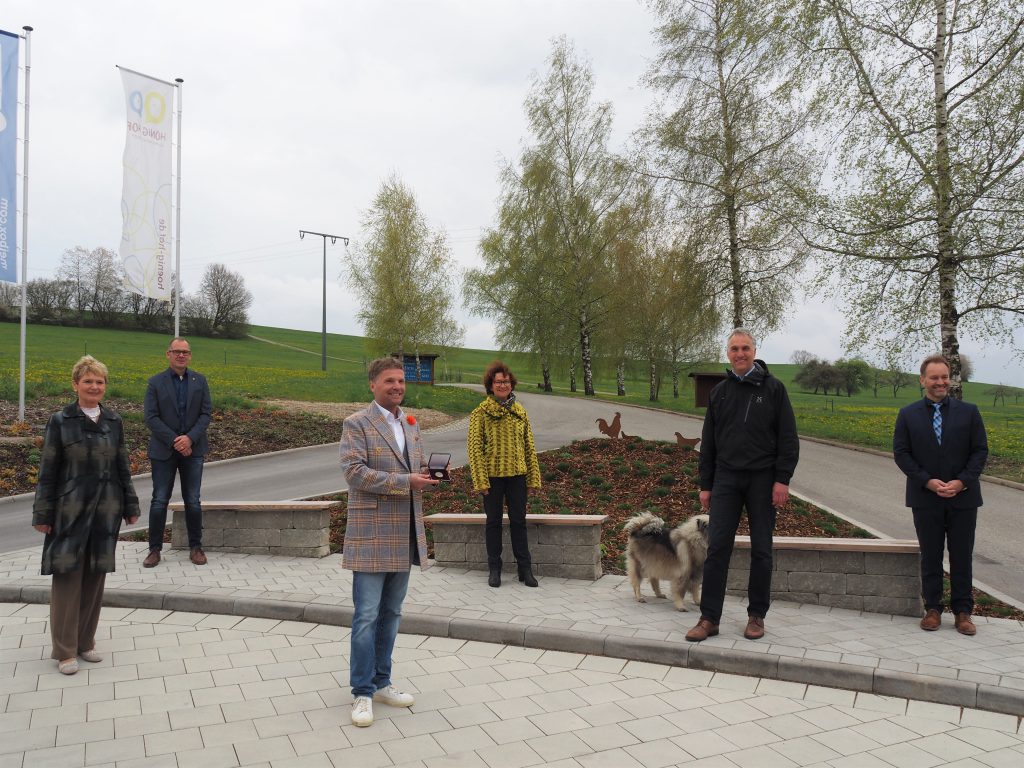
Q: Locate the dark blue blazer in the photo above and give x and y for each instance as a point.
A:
(161, 410)
(961, 456)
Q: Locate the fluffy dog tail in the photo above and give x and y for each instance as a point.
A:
(644, 524)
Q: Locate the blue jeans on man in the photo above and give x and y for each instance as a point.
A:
(377, 599)
(190, 470)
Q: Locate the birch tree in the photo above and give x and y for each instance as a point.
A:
(517, 288)
(579, 183)
(729, 141)
(662, 304)
(926, 226)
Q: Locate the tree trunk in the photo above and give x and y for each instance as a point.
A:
(949, 318)
(729, 180)
(545, 370)
(652, 380)
(675, 376)
(620, 379)
(588, 370)
(572, 370)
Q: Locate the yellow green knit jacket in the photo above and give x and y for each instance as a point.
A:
(500, 444)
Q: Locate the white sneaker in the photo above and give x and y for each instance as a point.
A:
(362, 711)
(393, 697)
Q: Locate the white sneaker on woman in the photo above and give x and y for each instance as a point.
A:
(362, 711)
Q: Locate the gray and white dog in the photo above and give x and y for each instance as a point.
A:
(656, 552)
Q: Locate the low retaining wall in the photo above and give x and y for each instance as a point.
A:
(567, 546)
(877, 575)
(290, 528)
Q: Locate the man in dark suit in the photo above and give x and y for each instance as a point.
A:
(178, 410)
(941, 446)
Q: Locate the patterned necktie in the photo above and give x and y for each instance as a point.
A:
(937, 422)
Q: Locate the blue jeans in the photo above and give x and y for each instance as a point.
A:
(377, 598)
(190, 470)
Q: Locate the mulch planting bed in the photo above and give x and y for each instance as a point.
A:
(239, 432)
(622, 477)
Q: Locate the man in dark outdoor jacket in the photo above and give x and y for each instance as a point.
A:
(749, 450)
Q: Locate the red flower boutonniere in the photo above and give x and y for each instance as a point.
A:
(411, 419)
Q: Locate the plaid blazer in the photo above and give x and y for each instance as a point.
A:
(377, 532)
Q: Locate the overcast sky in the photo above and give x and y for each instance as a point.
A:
(293, 114)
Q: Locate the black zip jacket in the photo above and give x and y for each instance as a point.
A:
(749, 425)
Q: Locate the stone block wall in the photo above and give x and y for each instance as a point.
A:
(567, 546)
(877, 575)
(290, 528)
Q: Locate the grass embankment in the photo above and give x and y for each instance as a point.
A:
(240, 371)
(287, 366)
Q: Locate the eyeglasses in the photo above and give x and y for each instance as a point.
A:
(501, 383)
(180, 352)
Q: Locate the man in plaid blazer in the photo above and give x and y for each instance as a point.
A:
(383, 461)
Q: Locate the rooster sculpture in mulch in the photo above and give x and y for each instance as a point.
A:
(612, 430)
(687, 442)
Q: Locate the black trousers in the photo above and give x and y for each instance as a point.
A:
(939, 528)
(513, 491)
(730, 494)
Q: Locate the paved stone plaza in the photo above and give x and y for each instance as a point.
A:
(195, 689)
(230, 659)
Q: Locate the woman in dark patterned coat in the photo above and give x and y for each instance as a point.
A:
(85, 490)
(503, 463)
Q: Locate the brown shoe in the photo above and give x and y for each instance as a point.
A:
(197, 556)
(755, 628)
(704, 629)
(964, 625)
(151, 559)
(932, 620)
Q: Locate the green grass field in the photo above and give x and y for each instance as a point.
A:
(287, 365)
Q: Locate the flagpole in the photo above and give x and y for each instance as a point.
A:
(177, 225)
(24, 233)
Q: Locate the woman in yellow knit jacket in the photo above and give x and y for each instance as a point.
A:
(503, 463)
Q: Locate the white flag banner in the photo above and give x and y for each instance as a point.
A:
(146, 194)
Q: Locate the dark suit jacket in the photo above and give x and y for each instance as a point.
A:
(161, 409)
(961, 456)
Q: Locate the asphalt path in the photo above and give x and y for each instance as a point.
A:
(861, 486)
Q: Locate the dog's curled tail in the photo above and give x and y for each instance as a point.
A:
(644, 524)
